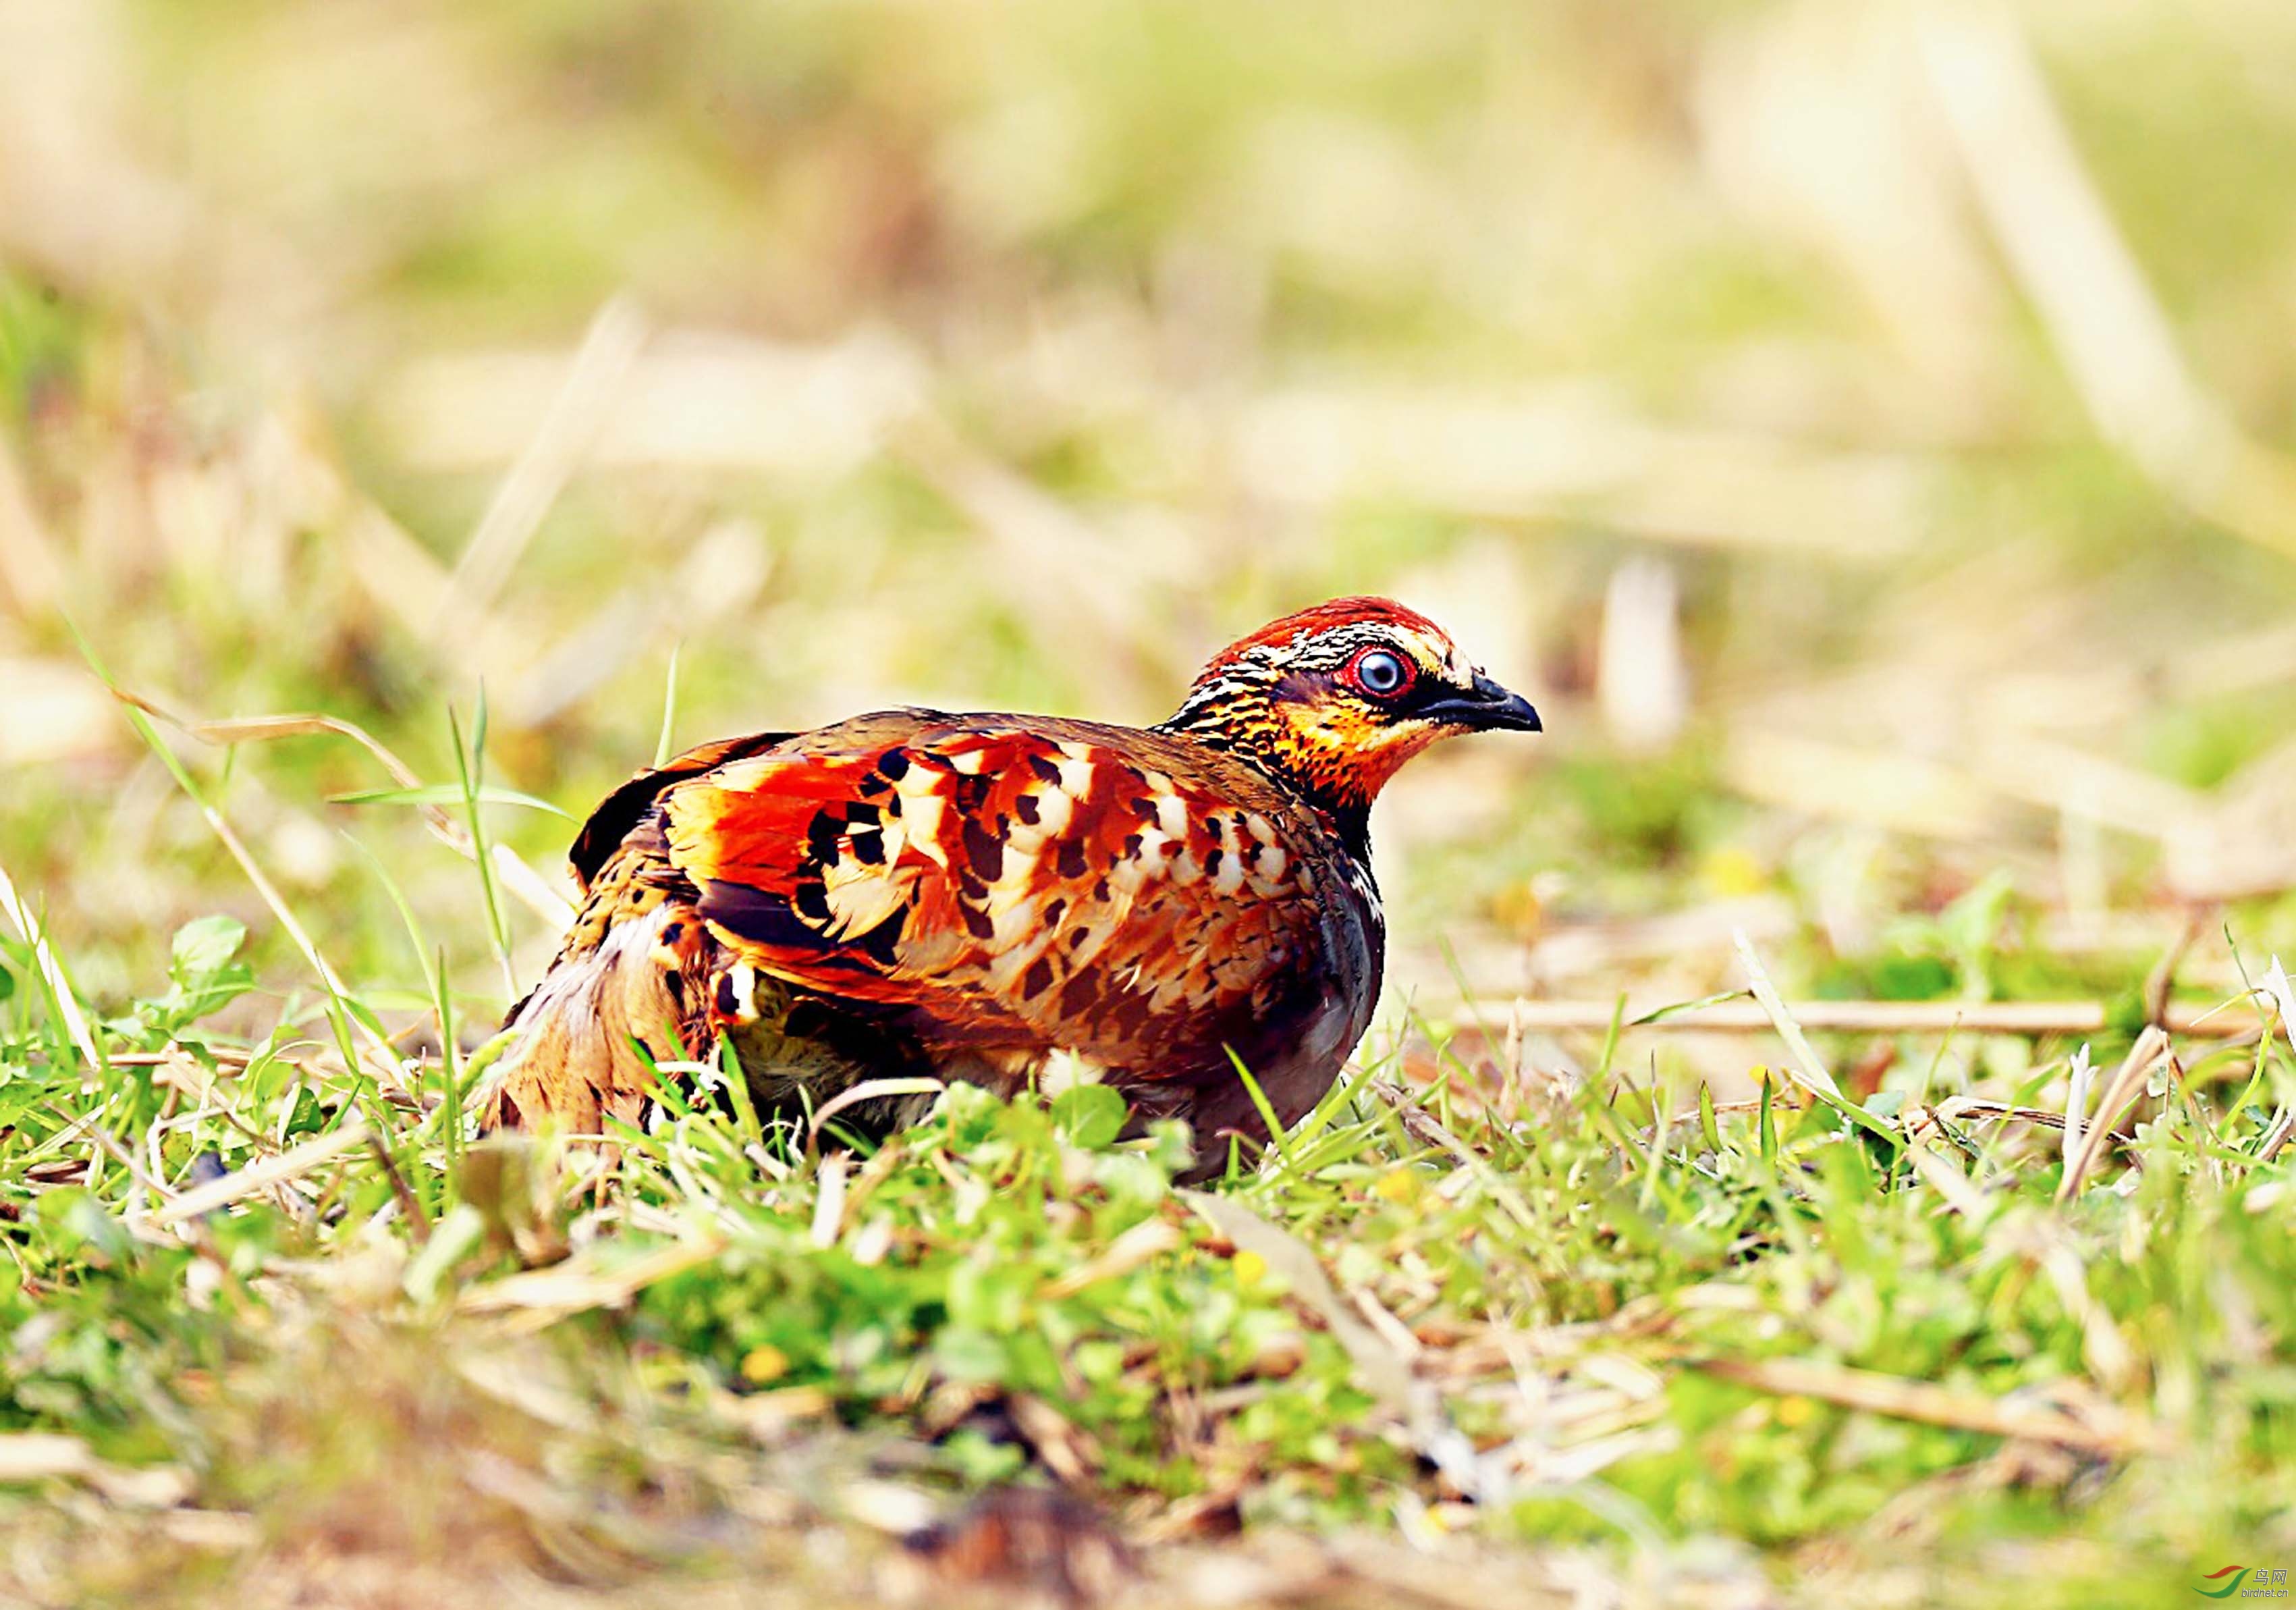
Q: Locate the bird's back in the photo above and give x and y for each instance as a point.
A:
(911, 891)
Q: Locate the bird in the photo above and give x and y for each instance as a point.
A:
(967, 897)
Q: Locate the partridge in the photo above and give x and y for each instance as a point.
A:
(962, 896)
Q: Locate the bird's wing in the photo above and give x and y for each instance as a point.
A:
(619, 811)
(1052, 884)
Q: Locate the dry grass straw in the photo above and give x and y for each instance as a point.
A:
(577, 412)
(532, 889)
(579, 1284)
(2111, 1433)
(2152, 1047)
(2029, 1019)
(29, 928)
(2070, 258)
(1149, 1239)
(1379, 1370)
(868, 1090)
(384, 1060)
(264, 1173)
(2276, 1140)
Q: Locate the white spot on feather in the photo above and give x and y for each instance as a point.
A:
(1054, 809)
(860, 897)
(744, 979)
(1005, 972)
(922, 809)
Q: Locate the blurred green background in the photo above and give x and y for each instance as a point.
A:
(1868, 431)
(1863, 429)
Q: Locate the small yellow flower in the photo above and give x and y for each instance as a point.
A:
(1516, 908)
(1251, 1268)
(1795, 1411)
(764, 1363)
(1732, 872)
(1400, 1187)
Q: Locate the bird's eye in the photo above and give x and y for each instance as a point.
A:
(1381, 673)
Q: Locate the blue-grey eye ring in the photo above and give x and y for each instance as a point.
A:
(1382, 673)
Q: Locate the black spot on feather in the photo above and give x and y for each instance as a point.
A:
(881, 943)
(822, 835)
(755, 915)
(985, 850)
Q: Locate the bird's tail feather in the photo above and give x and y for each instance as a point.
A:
(574, 1060)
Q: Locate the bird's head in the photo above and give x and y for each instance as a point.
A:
(1332, 700)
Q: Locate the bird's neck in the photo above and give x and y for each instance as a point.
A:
(1258, 735)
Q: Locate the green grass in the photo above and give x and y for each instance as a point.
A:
(1534, 1332)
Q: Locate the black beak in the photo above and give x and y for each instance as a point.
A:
(1485, 707)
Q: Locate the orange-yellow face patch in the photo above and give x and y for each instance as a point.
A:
(1349, 747)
